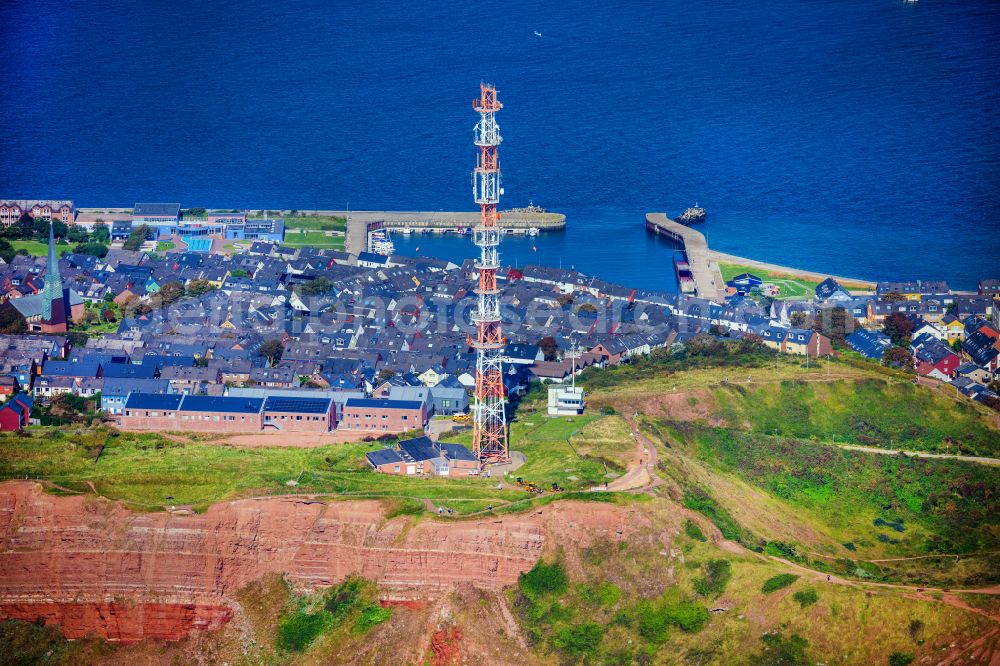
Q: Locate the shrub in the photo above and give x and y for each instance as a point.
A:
(343, 598)
(605, 594)
(806, 597)
(717, 575)
(692, 530)
(775, 583)
(297, 631)
(687, 615)
(781, 651)
(543, 579)
(652, 624)
(371, 615)
(900, 659)
(579, 640)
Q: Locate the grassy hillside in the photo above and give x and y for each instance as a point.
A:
(831, 507)
(871, 411)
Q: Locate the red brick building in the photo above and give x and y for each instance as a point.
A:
(300, 414)
(202, 413)
(382, 416)
(12, 211)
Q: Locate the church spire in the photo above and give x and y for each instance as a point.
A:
(52, 294)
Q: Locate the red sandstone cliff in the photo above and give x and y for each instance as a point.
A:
(92, 566)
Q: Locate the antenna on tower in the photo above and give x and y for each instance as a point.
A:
(489, 434)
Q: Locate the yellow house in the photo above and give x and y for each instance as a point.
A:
(953, 328)
(432, 376)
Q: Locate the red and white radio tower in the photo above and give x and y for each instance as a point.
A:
(489, 435)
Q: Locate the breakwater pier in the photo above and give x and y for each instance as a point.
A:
(360, 222)
(708, 282)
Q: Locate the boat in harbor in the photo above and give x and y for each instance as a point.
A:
(685, 276)
(533, 231)
(692, 215)
(379, 242)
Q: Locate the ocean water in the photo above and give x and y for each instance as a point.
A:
(859, 137)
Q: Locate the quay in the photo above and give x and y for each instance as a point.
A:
(708, 282)
(360, 222)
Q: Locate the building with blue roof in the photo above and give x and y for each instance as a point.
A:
(300, 413)
(383, 416)
(422, 456)
(205, 413)
(870, 344)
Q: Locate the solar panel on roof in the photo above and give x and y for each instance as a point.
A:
(301, 405)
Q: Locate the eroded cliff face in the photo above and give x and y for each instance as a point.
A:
(92, 566)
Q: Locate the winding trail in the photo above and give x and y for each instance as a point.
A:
(982, 460)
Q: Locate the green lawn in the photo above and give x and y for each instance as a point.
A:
(163, 246)
(143, 469)
(316, 223)
(790, 287)
(301, 238)
(40, 249)
(573, 451)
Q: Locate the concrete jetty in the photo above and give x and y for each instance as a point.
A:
(707, 276)
(359, 221)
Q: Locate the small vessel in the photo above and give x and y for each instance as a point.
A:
(380, 243)
(692, 215)
(538, 34)
(406, 231)
(533, 231)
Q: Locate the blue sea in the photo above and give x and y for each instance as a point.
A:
(859, 137)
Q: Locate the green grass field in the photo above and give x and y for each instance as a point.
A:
(319, 239)
(316, 223)
(790, 287)
(39, 249)
(577, 452)
(144, 469)
(163, 246)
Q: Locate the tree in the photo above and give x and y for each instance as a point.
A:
(40, 228)
(239, 273)
(11, 320)
(7, 251)
(100, 233)
(59, 229)
(170, 292)
(272, 350)
(93, 249)
(199, 287)
(898, 327)
(385, 374)
(316, 287)
(893, 297)
(836, 323)
(138, 236)
(799, 319)
(897, 357)
(549, 347)
(77, 234)
(588, 308)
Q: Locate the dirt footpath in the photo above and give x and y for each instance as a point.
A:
(292, 439)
